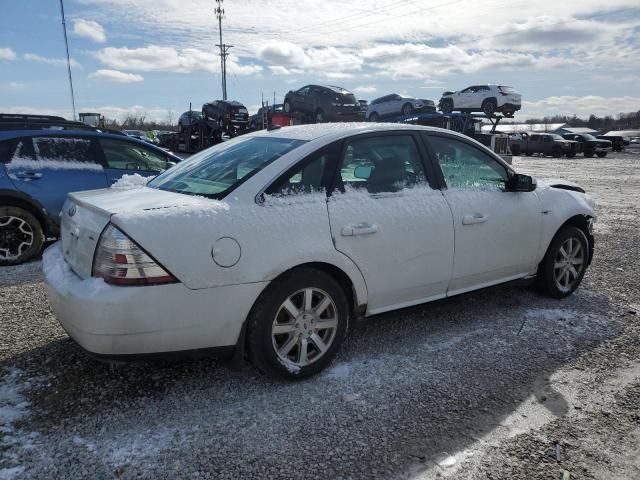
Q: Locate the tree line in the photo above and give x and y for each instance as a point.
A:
(622, 121)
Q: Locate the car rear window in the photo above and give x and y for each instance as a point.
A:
(505, 89)
(215, 172)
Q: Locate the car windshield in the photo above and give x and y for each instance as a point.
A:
(588, 136)
(218, 170)
(557, 137)
(505, 89)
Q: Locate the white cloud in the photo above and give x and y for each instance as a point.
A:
(7, 54)
(51, 61)
(14, 86)
(116, 76)
(580, 105)
(89, 29)
(365, 89)
(168, 59)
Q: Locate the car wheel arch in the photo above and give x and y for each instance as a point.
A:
(10, 199)
(580, 221)
(356, 297)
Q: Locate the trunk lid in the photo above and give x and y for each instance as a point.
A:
(85, 215)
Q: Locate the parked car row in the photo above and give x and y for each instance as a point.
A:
(554, 145)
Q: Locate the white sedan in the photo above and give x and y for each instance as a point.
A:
(270, 243)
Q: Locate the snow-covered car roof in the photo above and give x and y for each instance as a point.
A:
(339, 130)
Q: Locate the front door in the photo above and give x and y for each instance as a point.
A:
(47, 168)
(390, 222)
(497, 233)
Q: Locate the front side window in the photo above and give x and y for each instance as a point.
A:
(468, 167)
(381, 164)
(303, 90)
(218, 170)
(123, 155)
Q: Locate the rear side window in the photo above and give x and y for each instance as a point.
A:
(64, 149)
(6, 150)
(381, 164)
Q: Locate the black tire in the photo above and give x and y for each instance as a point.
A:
(16, 230)
(319, 116)
(602, 154)
(528, 154)
(515, 150)
(407, 109)
(489, 107)
(589, 152)
(374, 117)
(546, 279)
(446, 106)
(287, 106)
(263, 314)
(571, 154)
(556, 152)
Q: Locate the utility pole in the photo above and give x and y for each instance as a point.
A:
(66, 44)
(224, 49)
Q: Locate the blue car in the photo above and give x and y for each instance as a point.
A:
(43, 159)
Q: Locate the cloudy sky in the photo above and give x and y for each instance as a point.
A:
(153, 57)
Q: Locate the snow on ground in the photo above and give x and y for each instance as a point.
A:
(134, 180)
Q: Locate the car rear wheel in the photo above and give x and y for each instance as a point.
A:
(373, 117)
(287, 106)
(556, 152)
(298, 324)
(602, 154)
(21, 236)
(565, 263)
(407, 109)
(319, 116)
(489, 107)
(446, 106)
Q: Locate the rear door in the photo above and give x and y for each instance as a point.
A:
(385, 217)
(49, 167)
(123, 156)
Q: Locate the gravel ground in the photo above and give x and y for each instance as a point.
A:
(496, 384)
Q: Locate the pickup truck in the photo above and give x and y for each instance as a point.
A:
(589, 145)
(542, 143)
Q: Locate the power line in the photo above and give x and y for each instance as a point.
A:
(66, 44)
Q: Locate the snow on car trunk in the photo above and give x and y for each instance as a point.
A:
(86, 214)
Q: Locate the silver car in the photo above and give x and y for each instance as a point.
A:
(395, 105)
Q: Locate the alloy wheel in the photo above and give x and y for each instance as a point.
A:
(304, 327)
(16, 237)
(569, 264)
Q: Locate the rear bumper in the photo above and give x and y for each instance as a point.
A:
(509, 107)
(108, 320)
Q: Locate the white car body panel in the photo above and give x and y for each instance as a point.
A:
(468, 100)
(409, 256)
(210, 304)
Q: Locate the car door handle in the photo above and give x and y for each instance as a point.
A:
(28, 175)
(470, 219)
(358, 229)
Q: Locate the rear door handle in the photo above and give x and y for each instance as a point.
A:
(358, 229)
(471, 219)
(28, 175)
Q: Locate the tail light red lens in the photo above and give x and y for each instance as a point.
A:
(120, 261)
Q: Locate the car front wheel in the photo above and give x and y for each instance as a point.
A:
(373, 117)
(565, 263)
(298, 324)
(407, 109)
(21, 236)
(446, 106)
(602, 154)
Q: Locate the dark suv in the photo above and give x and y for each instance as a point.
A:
(225, 116)
(589, 145)
(189, 119)
(42, 159)
(324, 104)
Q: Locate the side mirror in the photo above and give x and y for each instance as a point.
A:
(363, 172)
(521, 183)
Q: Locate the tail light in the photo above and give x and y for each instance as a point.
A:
(120, 261)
